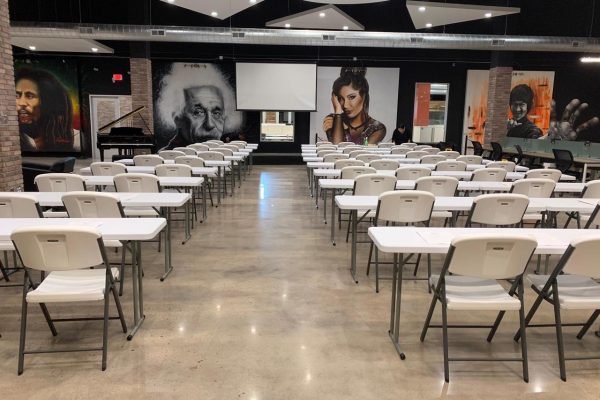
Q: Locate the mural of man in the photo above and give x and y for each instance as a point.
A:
(44, 111)
(521, 103)
(196, 103)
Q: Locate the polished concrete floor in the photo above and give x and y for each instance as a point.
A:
(261, 306)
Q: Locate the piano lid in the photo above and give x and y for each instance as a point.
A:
(126, 117)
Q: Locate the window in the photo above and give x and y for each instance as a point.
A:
(277, 126)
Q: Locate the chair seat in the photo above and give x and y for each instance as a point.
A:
(441, 214)
(140, 212)
(532, 217)
(55, 214)
(574, 292)
(468, 293)
(112, 243)
(71, 286)
(6, 246)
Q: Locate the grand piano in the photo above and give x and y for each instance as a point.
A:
(124, 138)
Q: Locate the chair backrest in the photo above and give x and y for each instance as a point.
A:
(19, 205)
(500, 209)
(563, 159)
(553, 174)
(231, 147)
(534, 187)
(356, 153)
(238, 145)
(92, 205)
(451, 165)
(450, 154)
(373, 184)
(496, 151)
(470, 159)
(509, 166)
(225, 152)
(334, 157)
(593, 221)
(323, 153)
(412, 173)
(415, 154)
(386, 145)
(385, 164)
(217, 141)
(592, 190)
(192, 161)
(421, 147)
(140, 183)
(438, 185)
(58, 182)
(170, 154)
(199, 147)
(431, 159)
(212, 145)
(349, 149)
(489, 175)
(431, 150)
(477, 148)
(59, 248)
(339, 164)
(405, 206)
(211, 156)
(489, 256)
(147, 160)
(368, 157)
(353, 172)
(107, 168)
(181, 170)
(412, 145)
(341, 145)
(400, 150)
(581, 258)
(323, 143)
(188, 151)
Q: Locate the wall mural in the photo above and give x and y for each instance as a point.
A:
(195, 102)
(47, 101)
(355, 104)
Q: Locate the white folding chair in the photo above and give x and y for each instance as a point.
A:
(591, 190)
(107, 168)
(443, 186)
(138, 183)
(469, 282)
(188, 151)
(350, 149)
(199, 147)
(400, 150)
(498, 210)
(431, 150)
(416, 154)
(67, 253)
(431, 159)
(451, 165)
(170, 154)
(385, 164)
(489, 175)
(386, 145)
(450, 155)
(367, 158)
(334, 157)
(147, 160)
(58, 182)
(323, 143)
(339, 164)
(323, 153)
(341, 145)
(571, 286)
(509, 166)
(352, 172)
(412, 173)
(470, 159)
(409, 144)
(553, 174)
(197, 162)
(534, 187)
(421, 147)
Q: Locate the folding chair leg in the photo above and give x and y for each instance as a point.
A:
(376, 270)
(588, 324)
(523, 334)
(3, 271)
(212, 204)
(417, 265)
(105, 328)
(119, 308)
(428, 272)
(530, 314)
(511, 292)
(445, 342)
(349, 224)
(23, 328)
(122, 270)
(434, 300)
(559, 335)
(370, 255)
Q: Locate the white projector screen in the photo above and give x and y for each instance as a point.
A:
(276, 87)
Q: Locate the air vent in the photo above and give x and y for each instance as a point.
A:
(497, 42)
(416, 40)
(240, 35)
(86, 30)
(158, 32)
(328, 37)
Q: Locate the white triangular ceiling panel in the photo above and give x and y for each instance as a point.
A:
(223, 8)
(323, 18)
(427, 14)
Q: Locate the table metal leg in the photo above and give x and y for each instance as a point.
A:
(219, 186)
(396, 303)
(333, 212)
(325, 206)
(168, 266)
(136, 279)
(317, 192)
(204, 198)
(239, 172)
(232, 169)
(188, 234)
(354, 217)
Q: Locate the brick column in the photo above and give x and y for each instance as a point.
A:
(141, 91)
(11, 175)
(498, 96)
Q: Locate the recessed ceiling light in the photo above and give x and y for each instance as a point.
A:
(428, 25)
(171, 1)
(590, 59)
(252, 1)
(345, 27)
(214, 14)
(95, 49)
(32, 47)
(488, 15)
(322, 15)
(287, 25)
(422, 9)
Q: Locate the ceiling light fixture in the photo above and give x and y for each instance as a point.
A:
(590, 59)
(322, 15)
(171, 1)
(345, 27)
(422, 9)
(287, 25)
(488, 15)
(94, 49)
(214, 14)
(32, 47)
(252, 1)
(428, 25)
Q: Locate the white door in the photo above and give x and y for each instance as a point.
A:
(104, 109)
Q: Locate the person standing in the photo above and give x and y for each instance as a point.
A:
(401, 135)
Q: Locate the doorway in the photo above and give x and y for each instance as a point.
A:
(103, 110)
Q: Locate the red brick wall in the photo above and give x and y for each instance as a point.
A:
(11, 176)
(141, 90)
(498, 96)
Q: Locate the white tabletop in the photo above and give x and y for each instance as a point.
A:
(216, 163)
(164, 181)
(54, 199)
(437, 240)
(110, 228)
(208, 171)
